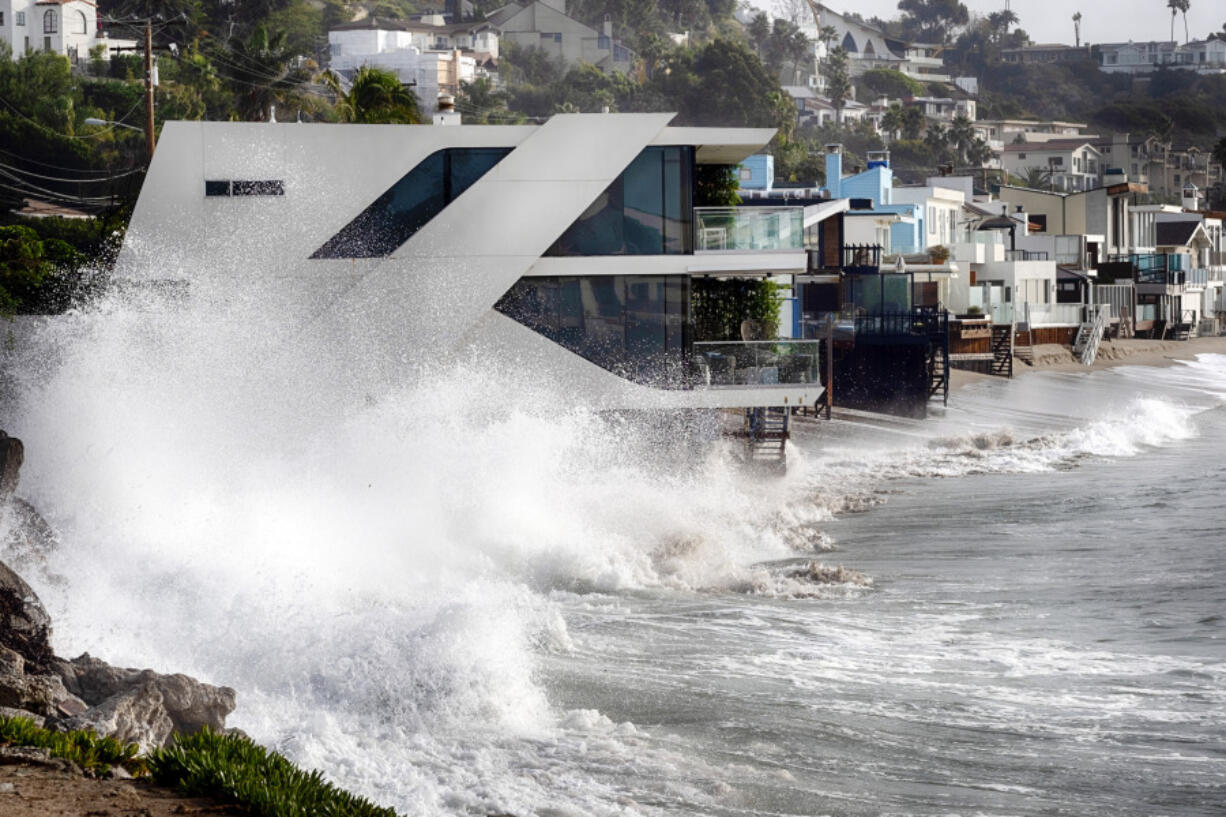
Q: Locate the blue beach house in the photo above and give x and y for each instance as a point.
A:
(898, 228)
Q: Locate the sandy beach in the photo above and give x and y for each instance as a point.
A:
(1127, 352)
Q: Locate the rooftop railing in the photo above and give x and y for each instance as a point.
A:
(1025, 255)
(725, 229)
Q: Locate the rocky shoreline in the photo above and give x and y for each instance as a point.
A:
(138, 706)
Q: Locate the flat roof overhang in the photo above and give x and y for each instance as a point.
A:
(718, 146)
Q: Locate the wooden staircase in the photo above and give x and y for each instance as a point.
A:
(1002, 349)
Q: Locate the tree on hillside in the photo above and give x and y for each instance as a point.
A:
(999, 22)
(759, 31)
(1177, 7)
(1077, 29)
(961, 137)
(912, 122)
(260, 66)
(838, 80)
(29, 267)
(891, 121)
(932, 20)
(787, 49)
(1036, 178)
(1219, 152)
(376, 97)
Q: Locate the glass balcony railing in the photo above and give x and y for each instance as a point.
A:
(757, 363)
(748, 228)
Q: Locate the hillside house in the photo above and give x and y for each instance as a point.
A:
(68, 27)
(545, 25)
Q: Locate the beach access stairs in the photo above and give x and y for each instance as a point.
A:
(1090, 334)
(1002, 349)
(766, 431)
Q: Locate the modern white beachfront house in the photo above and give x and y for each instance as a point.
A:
(571, 247)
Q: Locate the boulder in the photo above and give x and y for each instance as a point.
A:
(10, 712)
(25, 626)
(121, 693)
(40, 694)
(137, 715)
(11, 662)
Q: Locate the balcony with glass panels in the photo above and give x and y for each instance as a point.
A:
(740, 229)
(756, 363)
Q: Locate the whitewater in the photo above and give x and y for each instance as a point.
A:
(457, 594)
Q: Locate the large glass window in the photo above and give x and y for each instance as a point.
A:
(633, 325)
(410, 204)
(647, 210)
(51, 22)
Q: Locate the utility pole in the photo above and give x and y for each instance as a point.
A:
(149, 138)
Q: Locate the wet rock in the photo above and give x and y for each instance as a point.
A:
(137, 715)
(25, 626)
(12, 453)
(10, 712)
(36, 756)
(819, 573)
(41, 694)
(121, 697)
(11, 662)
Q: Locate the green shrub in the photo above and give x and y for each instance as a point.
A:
(83, 747)
(234, 768)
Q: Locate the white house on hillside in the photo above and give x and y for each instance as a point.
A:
(433, 58)
(544, 24)
(1074, 164)
(68, 27)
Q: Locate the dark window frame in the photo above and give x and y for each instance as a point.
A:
(243, 187)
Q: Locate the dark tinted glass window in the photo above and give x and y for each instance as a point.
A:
(410, 204)
(647, 210)
(216, 188)
(631, 325)
(257, 188)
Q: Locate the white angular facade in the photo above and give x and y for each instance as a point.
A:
(541, 248)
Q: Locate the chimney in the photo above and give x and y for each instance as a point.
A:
(834, 170)
(446, 114)
(1191, 198)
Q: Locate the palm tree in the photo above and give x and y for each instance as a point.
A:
(892, 121)
(1173, 5)
(961, 136)
(376, 97)
(1077, 28)
(1036, 178)
(912, 122)
(261, 67)
(1184, 5)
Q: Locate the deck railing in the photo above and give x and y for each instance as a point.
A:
(748, 228)
(754, 363)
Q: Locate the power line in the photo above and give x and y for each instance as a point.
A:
(123, 175)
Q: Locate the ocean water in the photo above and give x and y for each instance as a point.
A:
(457, 597)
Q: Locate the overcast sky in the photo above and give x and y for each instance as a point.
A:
(1050, 21)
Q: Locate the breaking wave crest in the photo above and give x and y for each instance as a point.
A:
(372, 566)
